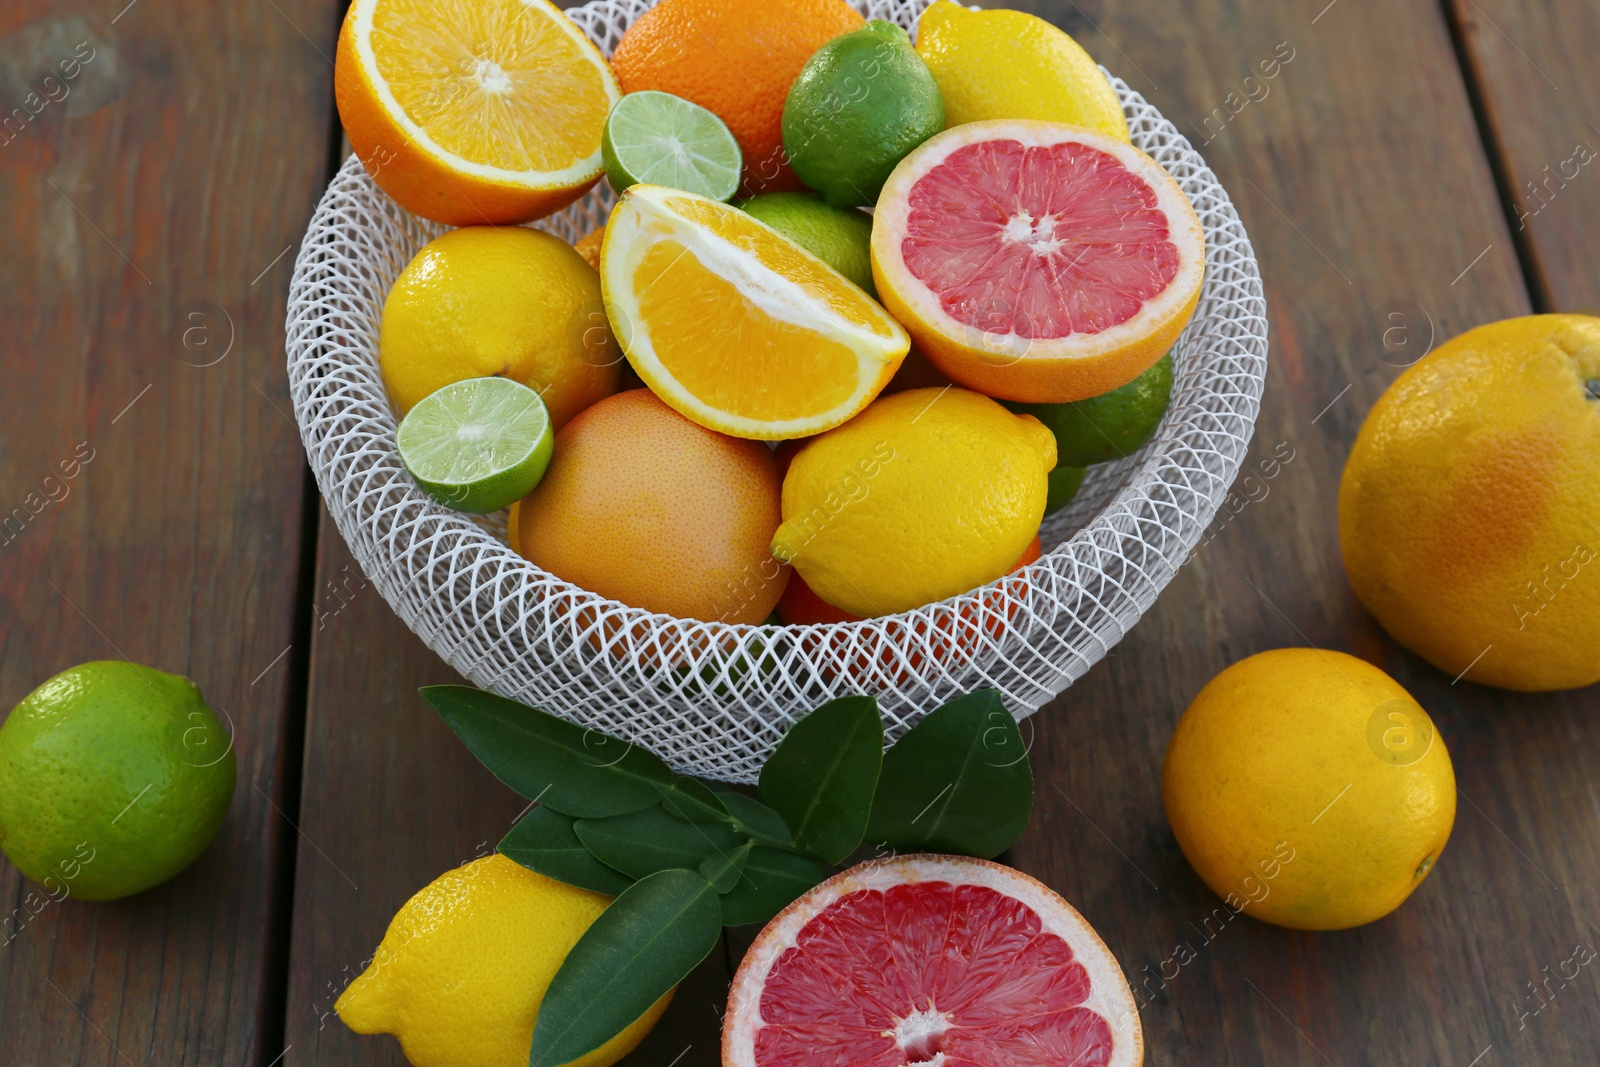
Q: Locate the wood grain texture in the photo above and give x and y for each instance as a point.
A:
(156, 171)
(1532, 62)
(391, 800)
(1368, 195)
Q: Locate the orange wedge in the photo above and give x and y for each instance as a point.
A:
(734, 325)
(473, 111)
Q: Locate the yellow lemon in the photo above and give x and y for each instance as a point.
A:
(1469, 511)
(1012, 65)
(460, 973)
(499, 301)
(924, 495)
(1308, 789)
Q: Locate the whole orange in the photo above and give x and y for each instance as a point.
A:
(1469, 511)
(737, 59)
(643, 506)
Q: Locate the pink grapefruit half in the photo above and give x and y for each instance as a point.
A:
(930, 961)
(1036, 261)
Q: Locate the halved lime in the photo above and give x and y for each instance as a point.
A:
(656, 138)
(477, 445)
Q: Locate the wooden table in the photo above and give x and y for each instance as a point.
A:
(1405, 175)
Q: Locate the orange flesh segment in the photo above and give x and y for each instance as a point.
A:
(744, 233)
(728, 353)
(495, 82)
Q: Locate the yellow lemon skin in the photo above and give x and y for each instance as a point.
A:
(1308, 789)
(1469, 510)
(926, 494)
(464, 964)
(499, 301)
(1012, 65)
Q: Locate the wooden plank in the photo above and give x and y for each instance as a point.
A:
(157, 164)
(1373, 211)
(1532, 64)
(392, 800)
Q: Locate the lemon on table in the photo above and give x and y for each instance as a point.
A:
(734, 325)
(473, 111)
(477, 445)
(661, 139)
(1308, 789)
(113, 778)
(1469, 510)
(861, 102)
(926, 494)
(1012, 65)
(840, 237)
(507, 301)
(465, 963)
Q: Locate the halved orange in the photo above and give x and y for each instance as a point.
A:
(734, 325)
(473, 111)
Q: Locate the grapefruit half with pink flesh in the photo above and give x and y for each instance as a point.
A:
(1036, 261)
(930, 961)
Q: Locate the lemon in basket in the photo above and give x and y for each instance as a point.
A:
(505, 302)
(1012, 65)
(926, 494)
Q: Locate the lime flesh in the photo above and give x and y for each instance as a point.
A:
(656, 138)
(477, 445)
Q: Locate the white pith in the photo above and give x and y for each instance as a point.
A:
(1184, 227)
(641, 219)
(579, 171)
(1109, 996)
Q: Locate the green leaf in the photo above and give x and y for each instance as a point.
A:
(544, 841)
(770, 882)
(578, 772)
(752, 817)
(822, 776)
(689, 799)
(722, 871)
(645, 943)
(643, 842)
(958, 781)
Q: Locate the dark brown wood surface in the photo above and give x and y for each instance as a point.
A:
(1383, 174)
(153, 190)
(1531, 64)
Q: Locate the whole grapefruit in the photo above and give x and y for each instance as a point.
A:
(643, 506)
(1469, 511)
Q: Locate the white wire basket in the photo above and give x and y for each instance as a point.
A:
(713, 698)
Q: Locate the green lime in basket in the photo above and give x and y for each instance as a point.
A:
(1111, 425)
(655, 138)
(478, 444)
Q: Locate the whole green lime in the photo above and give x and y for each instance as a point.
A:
(113, 778)
(1062, 485)
(840, 237)
(861, 103)
(1108, 426)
